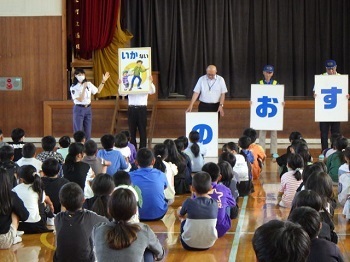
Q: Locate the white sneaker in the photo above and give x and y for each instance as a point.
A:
(50, 221)
(20, 233)
(17, 240)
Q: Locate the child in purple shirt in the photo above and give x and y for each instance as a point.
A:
(132, 148)
(223, 196)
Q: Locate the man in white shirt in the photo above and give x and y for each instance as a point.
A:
(211, 89)
(137, 115)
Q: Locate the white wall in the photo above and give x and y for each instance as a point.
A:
(30, 8)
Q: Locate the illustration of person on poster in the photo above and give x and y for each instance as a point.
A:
(135, 70)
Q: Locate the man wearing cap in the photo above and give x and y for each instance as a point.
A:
(331, 69)
(268, 80)
(211, 89)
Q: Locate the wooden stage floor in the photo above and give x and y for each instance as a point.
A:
(234, 246)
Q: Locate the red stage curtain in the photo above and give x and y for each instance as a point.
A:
(94, 24)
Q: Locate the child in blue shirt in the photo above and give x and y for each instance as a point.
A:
(244, 142)
(152, 183)
(114, 156)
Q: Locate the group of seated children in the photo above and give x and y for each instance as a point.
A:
(123, 189)
(307, 188)
(82, 234)
(295, 239)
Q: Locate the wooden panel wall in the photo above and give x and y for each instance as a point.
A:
(32, 48)
(170, 120)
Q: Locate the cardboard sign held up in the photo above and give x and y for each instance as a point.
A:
(134, 70)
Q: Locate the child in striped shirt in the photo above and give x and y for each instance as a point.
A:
(290, 181)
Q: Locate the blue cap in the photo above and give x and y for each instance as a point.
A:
(330, 64)
(268, 68)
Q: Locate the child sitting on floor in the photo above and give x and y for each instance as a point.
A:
(198, 213)
(102, 186)
(229, 179)
(241, 166)
(335, 160)
(12, 210)
(168, 168)
(223, 196)
(244, 142)
(258, 152)
(121, 144)
(122, 180)
(290, 181)
(31, 192)
(321, 249)
(123, 241)
(74, 226)
(64, 143)
(17, 136)
(152, 183)
(282, 160)
(196, 151)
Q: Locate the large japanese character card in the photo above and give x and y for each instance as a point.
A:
(266, 110)
(134, 70)
(207, 125)
(331, 102)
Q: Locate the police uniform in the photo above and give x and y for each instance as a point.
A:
(82, 114)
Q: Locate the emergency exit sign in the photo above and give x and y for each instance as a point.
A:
(10, 83)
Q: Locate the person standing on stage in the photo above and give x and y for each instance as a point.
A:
(137, 115)
(211, 89)
(268, 80)
(81, 91)
(334, 127)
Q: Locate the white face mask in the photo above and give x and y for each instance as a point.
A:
(80, 78)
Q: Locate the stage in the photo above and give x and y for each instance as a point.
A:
(170, 118)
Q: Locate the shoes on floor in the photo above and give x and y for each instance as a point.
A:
(50, 221)
(275, 155)
(20, 233)
(17, 240)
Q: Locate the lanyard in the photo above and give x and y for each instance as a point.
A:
(210, 86)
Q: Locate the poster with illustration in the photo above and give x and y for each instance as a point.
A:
(134, 70)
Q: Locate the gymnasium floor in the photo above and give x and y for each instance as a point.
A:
(234, 246)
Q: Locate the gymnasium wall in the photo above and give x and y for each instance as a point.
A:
(31, 47)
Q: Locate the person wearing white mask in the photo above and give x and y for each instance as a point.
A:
(81, 91)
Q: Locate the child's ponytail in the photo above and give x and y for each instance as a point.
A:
(37, 186)
(160, 152)
(29, 175)
(195, 149)
(194, 139)
(296, 163)
(122, 206)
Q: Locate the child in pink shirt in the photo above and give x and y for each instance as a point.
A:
(290, 181)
